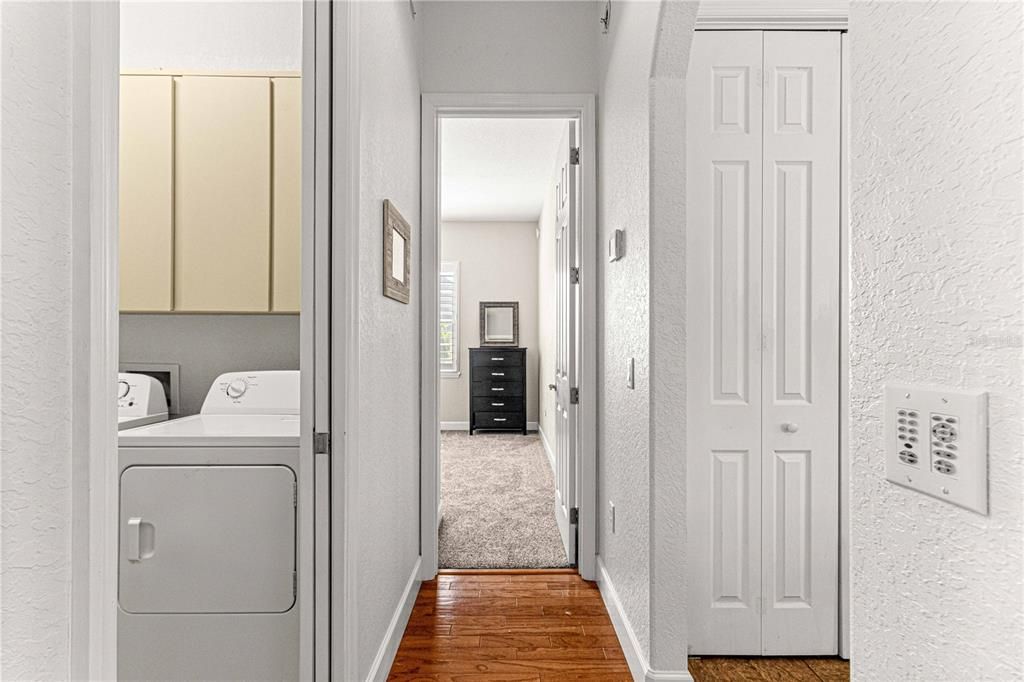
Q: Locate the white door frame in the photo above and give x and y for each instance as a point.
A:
(477, 105)
(95, 328)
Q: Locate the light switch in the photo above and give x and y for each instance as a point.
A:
(937, 443)
(630, 374)
(615, 245)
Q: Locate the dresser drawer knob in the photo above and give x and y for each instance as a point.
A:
(497, 389)
(500, 419)
(497, 374)
(497, 404)
(498, 359)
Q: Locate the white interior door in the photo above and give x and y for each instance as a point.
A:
(723, 284)
(762, 339)
(566, 306)
(800, 470)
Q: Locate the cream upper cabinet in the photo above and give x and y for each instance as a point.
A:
(146, 193)
(222, 202)
(287, 223)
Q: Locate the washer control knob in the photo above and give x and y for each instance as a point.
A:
(122, 389)
(790, 427)
(237, 388)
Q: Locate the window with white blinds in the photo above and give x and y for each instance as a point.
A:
(448, 316)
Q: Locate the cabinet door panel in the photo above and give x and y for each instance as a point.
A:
(222, 194)
(287, 231)
(146, 193)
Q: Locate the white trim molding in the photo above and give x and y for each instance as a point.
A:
(547, 447)
(639, 666)
(464, 426)
(785, 15)
(521, 105)
(396, 628)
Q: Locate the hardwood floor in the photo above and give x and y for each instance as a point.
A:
(715, 668)
(540, 625)
(506, 626)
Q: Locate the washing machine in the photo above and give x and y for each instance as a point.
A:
(207, 583)
(140, 401)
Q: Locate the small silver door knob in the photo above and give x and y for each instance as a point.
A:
(790, 427)
(551, 387)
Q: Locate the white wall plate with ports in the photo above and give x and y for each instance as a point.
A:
(936, 442)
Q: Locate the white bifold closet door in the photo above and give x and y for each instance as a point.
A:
(763, 128)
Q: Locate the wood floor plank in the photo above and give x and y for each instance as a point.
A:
(509, 626)
(762, 669)
(830, 669)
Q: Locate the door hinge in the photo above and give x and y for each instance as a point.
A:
(295, 494)
(574, 515)
(295, 584)
(574, 275)
(574, 396)
(321, 443)
(574, 156)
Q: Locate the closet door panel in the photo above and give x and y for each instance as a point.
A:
(146, 193)
(287, 228)
(222, 194)
(723, 252)
(801, 326)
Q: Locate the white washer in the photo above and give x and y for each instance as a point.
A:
(207, 582)
(140, 400)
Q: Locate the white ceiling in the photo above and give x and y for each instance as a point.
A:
(497, 169)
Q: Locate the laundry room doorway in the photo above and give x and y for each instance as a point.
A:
(211, 290)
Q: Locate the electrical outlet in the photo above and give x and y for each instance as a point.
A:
(937, 443)
(611, 515)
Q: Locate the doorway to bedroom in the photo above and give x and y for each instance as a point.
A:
(503, 260)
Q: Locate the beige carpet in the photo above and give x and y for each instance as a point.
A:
(497, 503)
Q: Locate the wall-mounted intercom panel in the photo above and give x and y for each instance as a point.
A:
(937, 443)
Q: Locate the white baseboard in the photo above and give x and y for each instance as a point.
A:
(639, 667)
(464, 426)
(396, 628)
(547, 449)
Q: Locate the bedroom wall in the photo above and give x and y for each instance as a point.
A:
(937, 294)
(498, 262)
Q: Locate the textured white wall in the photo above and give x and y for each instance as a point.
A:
(936, 298)
(498, 262)
(387, 467)
(624, 203)
(205, 36)
(508, 46)
(35, 271)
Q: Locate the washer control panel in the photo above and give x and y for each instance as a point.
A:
(258, 392)
(937, 443)
(139, 395)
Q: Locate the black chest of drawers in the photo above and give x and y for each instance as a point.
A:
(497, 389)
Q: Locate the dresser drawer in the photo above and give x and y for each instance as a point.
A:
(489, 388)
(498, 403)
(498, 420)
(498, 374)
(496, 358)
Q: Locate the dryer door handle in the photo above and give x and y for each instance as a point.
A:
(140, 543)
(134, 539)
